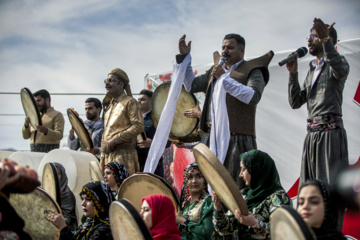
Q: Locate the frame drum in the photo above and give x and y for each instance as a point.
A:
(30, 207)
(219, 179)
(95, 172)
(181, 125)
(30, 107)
(146, 184)
(76, 164)
(51, 182)
(286, 223)
(126, 222)
(79, 127)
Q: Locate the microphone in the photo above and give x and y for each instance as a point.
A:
(300, 52)
(222, 61)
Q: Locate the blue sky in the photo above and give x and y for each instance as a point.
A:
(69, 46)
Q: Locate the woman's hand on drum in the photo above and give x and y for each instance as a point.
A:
(5, 178)
(216, 201)
(179, 217)
(248, 220)
(144, 144)
(56, 219)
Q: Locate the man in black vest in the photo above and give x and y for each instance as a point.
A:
(232, 92)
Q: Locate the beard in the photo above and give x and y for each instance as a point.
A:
(316, 49)
(91, 116)
(43, 108)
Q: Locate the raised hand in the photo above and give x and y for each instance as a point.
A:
(321, 29)
(183, 48)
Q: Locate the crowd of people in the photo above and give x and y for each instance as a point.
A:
(227, 126)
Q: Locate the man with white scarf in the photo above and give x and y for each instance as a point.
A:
(232, 93)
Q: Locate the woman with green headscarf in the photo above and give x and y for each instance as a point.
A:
(263, 194)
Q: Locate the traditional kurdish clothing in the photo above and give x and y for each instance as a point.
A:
(95, 129)
(163, 217)
(68, 201)
(99, 226)
(262, 197)
(328, 229)
(120, 173)
(40, 142)
(199, 213)
(230, 107)
(325, 150)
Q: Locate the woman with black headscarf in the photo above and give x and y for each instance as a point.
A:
(96, 199)
(68, 201)
(114, 175)
(318, 208)
(263, 194)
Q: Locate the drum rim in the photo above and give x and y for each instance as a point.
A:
(57, 182)
(305, 229)
(156, 121)
(51, 198)
(87, 142)
(137, 218)
(203, 150)
(92, 163)
(30, 95)
(158, 178)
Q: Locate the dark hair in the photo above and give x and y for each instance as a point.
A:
(147, 93)
(239, 39)
(332, 33)
(96, 102)
(43, 93)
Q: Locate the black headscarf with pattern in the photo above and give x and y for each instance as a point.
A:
(119, 171)
(265, 178)
(328, 229)
(185, 191)
(101, 195)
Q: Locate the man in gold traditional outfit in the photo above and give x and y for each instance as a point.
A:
(123, 122)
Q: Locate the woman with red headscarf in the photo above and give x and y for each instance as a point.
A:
(158, 213)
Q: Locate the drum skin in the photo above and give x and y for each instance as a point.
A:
(95, 172)
(146, 184)
(51, 182)
(30, 207)
(286, 223)
(181, 125)
(219, 179)
(79, 127)
(126, 222)
(30, 107)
